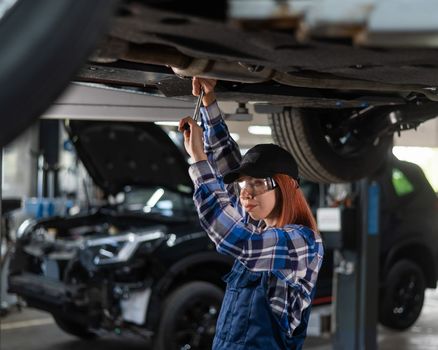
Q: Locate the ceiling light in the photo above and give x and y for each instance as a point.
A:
(156, 196)
(259, 130)
(167, 123)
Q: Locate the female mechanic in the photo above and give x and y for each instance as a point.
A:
(254, 210)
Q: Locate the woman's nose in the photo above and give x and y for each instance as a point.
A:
(244, 193)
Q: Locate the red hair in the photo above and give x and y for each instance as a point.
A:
(292, 207)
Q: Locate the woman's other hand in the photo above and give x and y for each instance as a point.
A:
(193, 141)
(208, 87)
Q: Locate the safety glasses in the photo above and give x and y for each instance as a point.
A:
(254, 186)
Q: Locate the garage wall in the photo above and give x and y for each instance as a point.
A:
(20, 165)
(425, 136)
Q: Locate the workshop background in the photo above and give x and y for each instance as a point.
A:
(100, 244)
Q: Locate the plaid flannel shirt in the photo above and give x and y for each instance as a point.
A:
(291, 254)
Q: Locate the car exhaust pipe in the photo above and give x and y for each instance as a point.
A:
(230, 71)
(186, 66)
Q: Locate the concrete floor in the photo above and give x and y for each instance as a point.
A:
(34, 330)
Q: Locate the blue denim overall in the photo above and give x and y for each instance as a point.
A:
(246, 321)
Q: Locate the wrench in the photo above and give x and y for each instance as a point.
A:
(197, 110)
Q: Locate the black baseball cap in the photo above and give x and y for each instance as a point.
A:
(265, 160)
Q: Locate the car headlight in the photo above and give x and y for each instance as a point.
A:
(25, 227)
(120, 248)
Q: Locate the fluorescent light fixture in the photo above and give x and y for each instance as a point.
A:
(254, 102)
(235, 136)
(259, 130)
(167, 123)
(155, 198)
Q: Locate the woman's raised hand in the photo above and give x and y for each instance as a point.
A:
(208, 87)
(193, 137)
(193, 141)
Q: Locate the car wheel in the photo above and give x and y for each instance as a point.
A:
(189, 317)
(43, 43)
(73, 328)
(402, 295)
(322, 152)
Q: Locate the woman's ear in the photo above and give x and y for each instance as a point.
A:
(278, 196)
(276, 212)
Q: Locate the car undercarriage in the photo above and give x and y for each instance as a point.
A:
(339, 78)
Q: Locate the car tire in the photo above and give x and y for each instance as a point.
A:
(43, 44)
(402, 295)
(300, 131)
(189, 317)
(73, 328)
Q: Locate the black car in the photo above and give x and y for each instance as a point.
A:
(408, 248)
(145, 266)
(408, 251)
(142, 266)
(338, 79)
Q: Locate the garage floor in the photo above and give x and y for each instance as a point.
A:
(34, 330)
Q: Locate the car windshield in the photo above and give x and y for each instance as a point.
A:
(158, 200)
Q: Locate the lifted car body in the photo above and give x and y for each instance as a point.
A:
(338, 78)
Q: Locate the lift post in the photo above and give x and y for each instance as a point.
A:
(352, 231)
(1, 197)
(356, 279)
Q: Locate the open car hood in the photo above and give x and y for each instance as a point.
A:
(120, 154)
